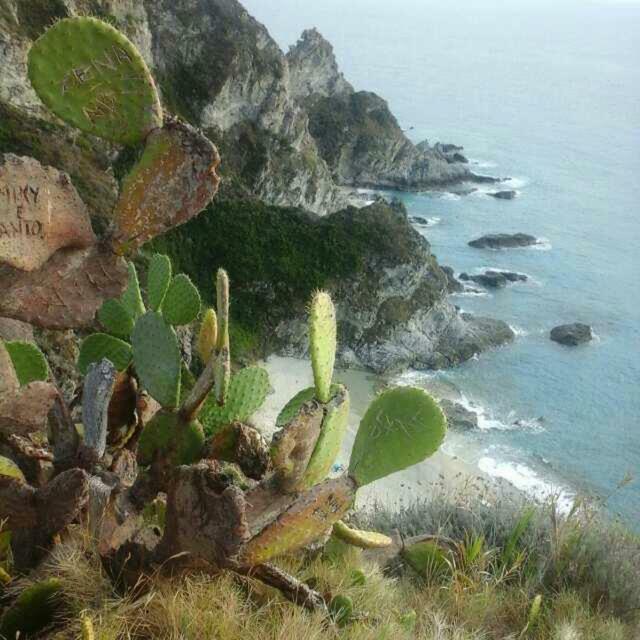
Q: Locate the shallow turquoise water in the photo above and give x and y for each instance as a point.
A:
(550, 98)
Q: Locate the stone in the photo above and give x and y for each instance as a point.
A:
(572, 335)
(504, 195)
(67, 291)
(40, 212)
(458, 416)
(8, 379)
(11, 330)
(503, 241)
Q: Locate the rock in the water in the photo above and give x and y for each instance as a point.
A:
(493, 279)
(572, 335)
(419, 220)
(504, 195)
(40, 212)
(504, 241)
(458, 416)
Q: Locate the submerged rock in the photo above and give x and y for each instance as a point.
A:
(492, 279)
(504, 195)
(504, 241)
(572, 335)
(458, 416)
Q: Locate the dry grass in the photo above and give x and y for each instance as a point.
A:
(585, 571)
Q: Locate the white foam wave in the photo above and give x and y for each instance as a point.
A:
(526, 479)
(430, 222)
(542, 244)
(520, 333)
(515, 183)
(471, 293)
(488, 422)
(447, 195)
(484, 164)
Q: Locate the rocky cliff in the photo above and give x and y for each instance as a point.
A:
(356, 133)
(291, 130)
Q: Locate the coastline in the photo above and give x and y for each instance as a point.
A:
(441, 472)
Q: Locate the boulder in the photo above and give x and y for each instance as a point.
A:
(453, 284)
(493, 279)
(504, 195)
(419, 220)
(458, 416)
(571, 335)
(504, 241)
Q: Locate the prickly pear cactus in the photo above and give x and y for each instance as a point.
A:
(167, 436)
(207, 336)
(341, 610)
(181, 303)
(322, 343)
(362, 539)
(223, 361)
(157, 359)
(174, 181)
(28, 361)
(92, 76)
(9, 468)
(132, 297)
(159, 279)
(329, 443)
(101, 345)
(115, 318)
(247, 392)
(401, 427)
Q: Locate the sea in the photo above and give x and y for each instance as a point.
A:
(546, 96)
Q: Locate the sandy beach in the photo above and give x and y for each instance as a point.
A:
(290, 375)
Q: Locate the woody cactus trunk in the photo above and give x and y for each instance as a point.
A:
(164, 470)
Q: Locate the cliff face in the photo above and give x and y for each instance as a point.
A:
(358, 136)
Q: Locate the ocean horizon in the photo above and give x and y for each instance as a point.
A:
(547, 98)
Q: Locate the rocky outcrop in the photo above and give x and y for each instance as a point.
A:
(458, 416)
(492, 279)
(504, 241)
(572, 335)
(356, 133)
(504, 195)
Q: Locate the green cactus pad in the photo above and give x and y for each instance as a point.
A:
(158, 280)
(167, 435)
(341, 610)
(92, 76)
(182, 302)
(28, 361)
(247, 392)
(322, 343)
(290, 410)
(115, 318)
(33, 610)
(132, 298)
(362, 539)
(332, 432)
(156, 357)
(207, 336)
(9, 468)
(401, 427)
(101, 345)
(427, 558)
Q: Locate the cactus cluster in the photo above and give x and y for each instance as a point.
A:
(152, 431)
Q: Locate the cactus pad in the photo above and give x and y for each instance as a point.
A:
(182, 302)
(401, 427)
(115, 318)
(247, 392)
(174, 181)
(341, 610)
(332, 431)
(132, 297)
(28, 361)
(207, 336)
(362, 539)
(223, 359)
(158, 280)
(311, 515)
(156, 357)
(9, 468)
(33, 610)
(101, 345)
(166, 435)
(322, 343)
(290, 410)
(92, 76)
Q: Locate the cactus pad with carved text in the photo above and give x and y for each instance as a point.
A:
(401, 427)
(92, 76)
(174, 180)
